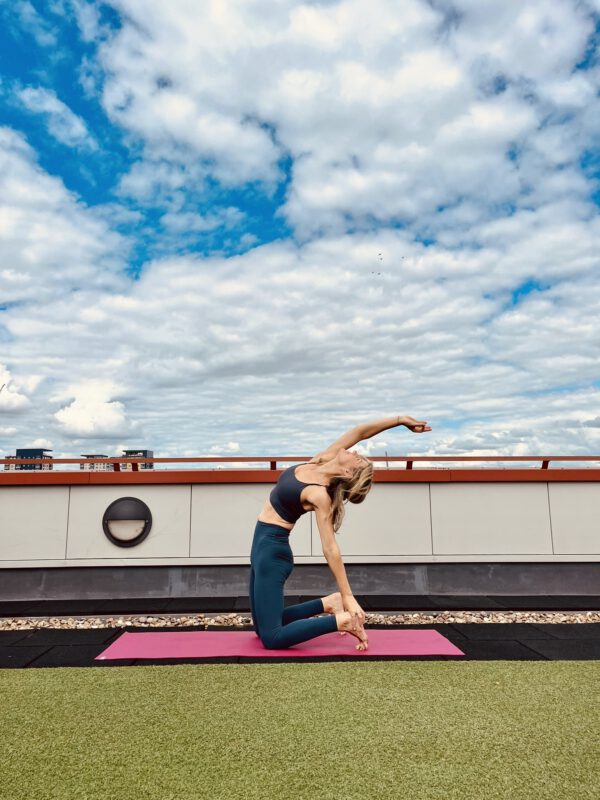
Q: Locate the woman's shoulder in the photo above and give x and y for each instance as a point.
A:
(318, 497)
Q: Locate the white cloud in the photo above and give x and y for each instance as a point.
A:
(63, 124)
(51, 244)
(225, 449)
(237, 350)
(159, 180)
(41, 442)
(12, 397)
(92, 413)
(34, 23)
(182, 222)
(386, 116)
(88, 19)
(534, 40)
(7, 431)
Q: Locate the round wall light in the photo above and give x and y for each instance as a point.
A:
(127, 521)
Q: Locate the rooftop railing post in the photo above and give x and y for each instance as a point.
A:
(273, 465)
(545, 463)
(409, 464)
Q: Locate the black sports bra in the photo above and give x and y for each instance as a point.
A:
(285, 495)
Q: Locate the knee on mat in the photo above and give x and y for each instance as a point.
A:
(269, 641)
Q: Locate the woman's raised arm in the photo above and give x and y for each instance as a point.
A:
(366, 430)
(346, 440)
(414, 425)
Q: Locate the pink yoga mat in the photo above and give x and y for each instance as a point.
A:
(211, 644)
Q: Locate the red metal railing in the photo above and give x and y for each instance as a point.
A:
(387, 470)
(135, 461)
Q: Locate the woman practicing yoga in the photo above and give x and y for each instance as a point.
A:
(322, 485)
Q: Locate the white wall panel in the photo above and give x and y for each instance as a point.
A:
(490, 518)
(393, 520)
(33, 522)
(224, 518)
(169, 536)
(575, 514)
(214, 523)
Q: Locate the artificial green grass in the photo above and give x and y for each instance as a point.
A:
(333, 731)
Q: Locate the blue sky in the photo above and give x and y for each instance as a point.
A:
(244, 227)
(43, 48)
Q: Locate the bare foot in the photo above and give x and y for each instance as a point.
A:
(332, 604)
(344, 623)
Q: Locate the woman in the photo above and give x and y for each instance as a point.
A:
(322, 485)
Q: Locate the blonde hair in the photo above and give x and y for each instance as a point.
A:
(353, 490)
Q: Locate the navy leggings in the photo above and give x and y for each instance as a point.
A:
(271, 563)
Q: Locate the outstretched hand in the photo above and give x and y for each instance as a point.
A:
(415, 425)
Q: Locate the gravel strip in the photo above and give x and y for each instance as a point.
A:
(239, 620)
